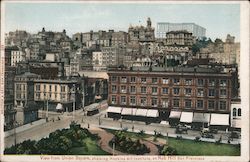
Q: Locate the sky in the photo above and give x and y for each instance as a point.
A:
(218, 19)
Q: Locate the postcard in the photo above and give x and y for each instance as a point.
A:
(124, 81)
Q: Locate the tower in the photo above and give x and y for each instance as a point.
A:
(148, 23)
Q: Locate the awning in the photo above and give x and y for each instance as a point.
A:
(201, 117)
(175, 114)
(153, 113)
(186, 117)
(126, 111)
(59, 106)
(236, 123)
(112, 109)
(141, 112)
(219, 119)
(134, 111)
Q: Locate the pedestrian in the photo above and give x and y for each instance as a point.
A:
(133, 128)
(88, 125)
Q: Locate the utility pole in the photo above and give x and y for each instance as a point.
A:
(47, 111)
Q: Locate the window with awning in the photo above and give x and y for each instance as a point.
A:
(112, 109)
(175, 114)
(153, 113)
(219, 119)
(186, 117)
(141, 112)
(201, 117)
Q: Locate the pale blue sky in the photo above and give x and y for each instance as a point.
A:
(218, 19)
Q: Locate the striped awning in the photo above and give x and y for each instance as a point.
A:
(141, 112)
(175, 114)
(153, 113)
(112, 109)
(219, 119)
(186, 117)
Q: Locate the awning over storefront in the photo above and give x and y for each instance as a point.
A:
(59, 106)
(153, 113)
(219, 119)
(175, 114)
(201, 117)
(112, 109)
(141, 112)
(186, 117)
(127, 111)
(134, 111)
(236, 123)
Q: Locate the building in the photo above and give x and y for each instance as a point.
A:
(141, 33)
(98, 61)
(119, 38)
(236, 114)
(26, 108)
(171, 90)
(67, 92)
(179, 38)
(164, 27)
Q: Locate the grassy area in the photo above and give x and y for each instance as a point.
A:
(192, 148)
(91, 148)
(130, 134)
(189, 147)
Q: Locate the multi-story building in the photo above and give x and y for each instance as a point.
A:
(141, 33)
(119, 38)
(181, 38)
(98, 61)
(166, 90)
(68, 93)
(164, 27)
(26, 108)
(236, 114)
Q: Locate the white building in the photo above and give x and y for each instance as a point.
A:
(236, 114)
(97, 61)
(17, 55)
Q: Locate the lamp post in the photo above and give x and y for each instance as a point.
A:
(47, 110)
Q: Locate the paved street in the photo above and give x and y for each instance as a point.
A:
(43, 130)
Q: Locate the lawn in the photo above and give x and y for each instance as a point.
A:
(192, 148)
(91, 149)
(189, 147)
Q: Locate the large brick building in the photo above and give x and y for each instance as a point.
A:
(182, 89)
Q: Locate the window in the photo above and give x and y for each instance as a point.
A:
(143, 101)
(200, 104)
(132, 89)
(123, 79)
(38, 95)
(188, 91)
(200, 82)
(188, 81)
(132, 79)
(164, 80)
(223, 105)
(18, 87)
(63, 89)
(164, 90)
(38, 87)
(55, 88)
(234, 112)
(44, 87)
(63, 96)
(123, 89)
(176, 103)
(165, 103)
(113, 99)
(211, 82)
(114, 79)
(154, 80)
(176, 91)
(143, 89)
(113, 88)
(211, 104)
(211, 92)
(223, 82)
(143, 80)
(154, 90)
(188, 103)
(132, 100)
(176, 81)
(239, 112)
(223, 92)
(200, 92)
(123, 100)
(55, 96)
(154, 102)
(49, 87)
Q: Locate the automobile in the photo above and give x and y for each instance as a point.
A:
(207, 135)
(181, 129)
(234, 134)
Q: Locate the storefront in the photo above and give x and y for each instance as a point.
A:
(114, 112)
(200, 120)
(174, 118)
(219, 121)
